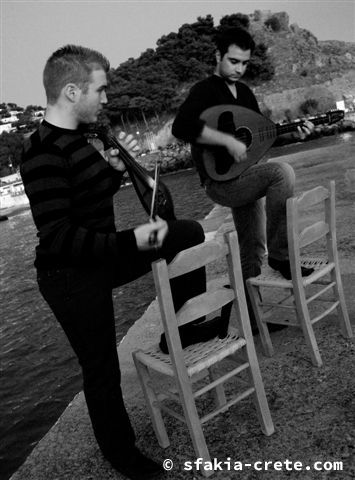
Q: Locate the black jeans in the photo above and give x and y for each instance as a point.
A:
(81, 300)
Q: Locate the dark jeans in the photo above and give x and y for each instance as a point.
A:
(81, 300)
(256, 228)
(274, 181)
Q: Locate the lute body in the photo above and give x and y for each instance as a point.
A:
(255, 130)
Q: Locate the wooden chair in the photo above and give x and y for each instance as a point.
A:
(304, 236)
(192, 370)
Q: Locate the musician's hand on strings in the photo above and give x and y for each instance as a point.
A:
(155, 230)
(236, 149)
(306, 129)
(113, 156)
(129, 143)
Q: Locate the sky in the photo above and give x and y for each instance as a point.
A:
(31, 30)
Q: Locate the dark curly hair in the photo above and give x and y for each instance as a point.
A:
(234, 36)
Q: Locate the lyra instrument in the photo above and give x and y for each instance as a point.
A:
(252, 128)
(144, 185)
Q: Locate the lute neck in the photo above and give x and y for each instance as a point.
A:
(291, 127)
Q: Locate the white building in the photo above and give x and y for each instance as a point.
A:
(6, 127)
(12, 192)
(12, 118)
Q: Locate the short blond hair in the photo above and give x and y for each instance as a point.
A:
(71, 64)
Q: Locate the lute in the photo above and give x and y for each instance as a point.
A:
(254, 129)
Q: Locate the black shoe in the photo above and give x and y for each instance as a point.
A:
(275, 327)
(136, 466)
(283, 266)
(272, 327)
(196, 333)
(202, 331)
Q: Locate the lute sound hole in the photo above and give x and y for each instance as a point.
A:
(243, 134)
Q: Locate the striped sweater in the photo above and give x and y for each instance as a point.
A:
(70, 187)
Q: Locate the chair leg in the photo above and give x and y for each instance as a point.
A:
(258, 313)
(260, 400)
(307, 328)
(343, 316)
(152, 403)
(194, 426)
(218, 392)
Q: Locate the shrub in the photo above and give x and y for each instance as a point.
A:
(309, 106)
(273, 23)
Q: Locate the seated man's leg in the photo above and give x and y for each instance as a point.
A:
(280, 189)
(244, 195)
(250, 222)
(272, 180)
(276, 198)
(182, 234)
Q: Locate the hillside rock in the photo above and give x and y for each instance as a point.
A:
(299, 58)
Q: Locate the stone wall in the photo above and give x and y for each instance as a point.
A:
(342, 88)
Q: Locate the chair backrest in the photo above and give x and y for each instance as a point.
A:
(300, 236)
(210, 301)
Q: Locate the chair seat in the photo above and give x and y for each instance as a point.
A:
(273, 278)
(197, 357)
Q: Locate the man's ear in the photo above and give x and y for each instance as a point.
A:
(218, 56)
(71, 92)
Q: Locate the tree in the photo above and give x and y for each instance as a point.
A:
(25, 121)
(260, 68)
(33, 108)
(12, 106)
(273, 23)
(10, 151)
(153, 82)
(191, 41)
(234, 20)
(309, 106)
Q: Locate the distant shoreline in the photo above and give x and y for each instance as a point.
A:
(11, 211)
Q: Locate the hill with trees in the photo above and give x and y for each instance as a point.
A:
(286, 57)
(291, 73)
(157, 81)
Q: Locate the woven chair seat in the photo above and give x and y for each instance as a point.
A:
(197, 357)
(273, 278)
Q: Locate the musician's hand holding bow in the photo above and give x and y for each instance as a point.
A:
(156, 229)
(130, 144)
